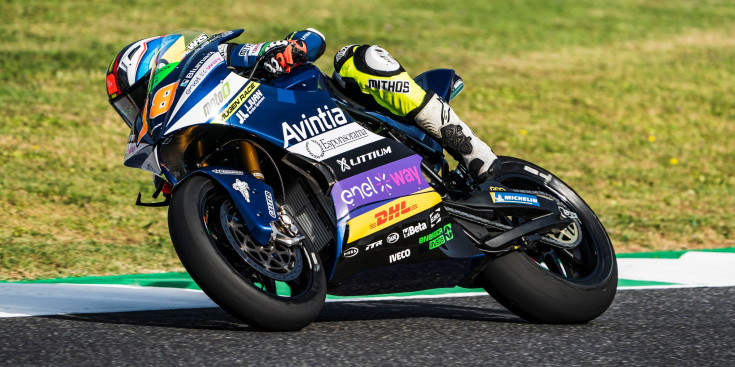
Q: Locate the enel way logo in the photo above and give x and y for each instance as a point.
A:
(393, 180)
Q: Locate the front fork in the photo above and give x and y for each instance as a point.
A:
(249, 157)
(284, 230)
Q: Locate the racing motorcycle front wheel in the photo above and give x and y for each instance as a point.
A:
(271, 287)
(544, 283)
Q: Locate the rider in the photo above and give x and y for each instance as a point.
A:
(367, 73)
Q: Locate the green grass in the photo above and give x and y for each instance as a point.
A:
(630, 102)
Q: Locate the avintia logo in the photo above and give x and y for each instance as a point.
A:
(322, 121)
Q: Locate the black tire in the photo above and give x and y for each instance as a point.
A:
(224, 271)
(545, 284)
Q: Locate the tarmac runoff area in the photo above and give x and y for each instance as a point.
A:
(177, 290)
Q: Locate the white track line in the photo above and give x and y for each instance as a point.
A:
(54, 299)
(693, 269)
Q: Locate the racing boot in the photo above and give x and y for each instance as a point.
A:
(438, 118)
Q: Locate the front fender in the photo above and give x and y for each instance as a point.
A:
(252, 197)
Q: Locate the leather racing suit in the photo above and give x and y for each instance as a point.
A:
(369, 73)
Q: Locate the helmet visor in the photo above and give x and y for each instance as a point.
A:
(127, 109)
(129, 106)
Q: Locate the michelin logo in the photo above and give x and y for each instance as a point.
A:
(513, 198)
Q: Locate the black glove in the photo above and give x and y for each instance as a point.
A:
(280, 57)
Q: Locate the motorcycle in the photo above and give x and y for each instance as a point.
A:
(282, 191)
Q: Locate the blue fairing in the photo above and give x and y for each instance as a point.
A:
(260, 109)
(253, 199)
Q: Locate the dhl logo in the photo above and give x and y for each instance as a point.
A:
(389, 214)
(393, 212)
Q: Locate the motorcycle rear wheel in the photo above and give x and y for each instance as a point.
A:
(270, 288)
(545, 284)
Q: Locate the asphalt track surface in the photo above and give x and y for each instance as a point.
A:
(650, 327)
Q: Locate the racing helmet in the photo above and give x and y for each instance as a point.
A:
(128, 77)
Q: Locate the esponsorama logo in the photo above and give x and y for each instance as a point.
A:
(317, 147)
(334, 142)
(396, 179)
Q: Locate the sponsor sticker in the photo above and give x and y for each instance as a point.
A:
(239, 99)
(203, 67)
(346, 164)
(228, 172)
(243, 187)
(196, 42)
(322, 121)
(399, 178)
(330, 143)
(394, 86)
(393, 237)
(271, 206)
(216, 99)
(373, 245)
(435, 217)
(439, 237)
(342, 51)
(250, 105)
(399, 256)
(513, 198)
(391, 213)
(244, 50)
(413, 229)
(255, 49)
(350, 252)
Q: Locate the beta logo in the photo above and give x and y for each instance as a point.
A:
(350, 252)
(393, 212)
(513, 198)
(399, 256)
(412, 230)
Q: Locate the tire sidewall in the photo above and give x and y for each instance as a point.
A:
(221, 282)
(537, 295)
